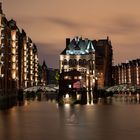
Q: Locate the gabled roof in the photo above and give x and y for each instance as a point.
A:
(79, 46)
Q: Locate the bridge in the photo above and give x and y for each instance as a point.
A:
(124, 88)
(48, 88)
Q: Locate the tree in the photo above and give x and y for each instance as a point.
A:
(57, 76)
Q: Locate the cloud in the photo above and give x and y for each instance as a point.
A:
(120, 25)
(62, 22)
(49, 22)
(70, 23)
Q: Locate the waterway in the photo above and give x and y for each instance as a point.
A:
(110, 119)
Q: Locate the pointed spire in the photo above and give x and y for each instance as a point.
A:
(44, 63)
(23, 32)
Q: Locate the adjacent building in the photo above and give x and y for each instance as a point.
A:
(8, 81)
(18, 58)
(103, 62)
(93, 59)
(127, 73)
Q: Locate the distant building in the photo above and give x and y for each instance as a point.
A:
(18, 58)
(93, 59)
(44, 74)
(47, 75)
(51, 78)
(127, 73)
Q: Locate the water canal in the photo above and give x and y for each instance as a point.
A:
(110, 119)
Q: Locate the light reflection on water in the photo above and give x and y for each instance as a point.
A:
(111, 119)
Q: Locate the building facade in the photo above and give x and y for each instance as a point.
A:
(127, 73)
(90, 57)
(79, 55)
(8, 81)
(103, 62)
(18, 58)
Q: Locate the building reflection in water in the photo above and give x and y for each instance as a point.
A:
(89, 98)
(85, 98)
(78, 98)
(69, 115)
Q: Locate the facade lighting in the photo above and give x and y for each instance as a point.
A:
(13, 58)
(13, 35)
(13, 74)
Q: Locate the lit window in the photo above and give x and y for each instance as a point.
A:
(75, 77)
(13, 74)
(25, 70)
(25, 59)
(25, 47)
(66, 77)
(2, 45)
(25, 53)
(13, 51)
(67, 96)
(2, 54)
(2, 75)
(80, 77)
(14, 66)
(13, 34)
(13, 44)
(25, 77)
(31, 53)
(14, 59)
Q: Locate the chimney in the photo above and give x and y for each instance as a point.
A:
(107, 38)
(0, 7)
(67, 41)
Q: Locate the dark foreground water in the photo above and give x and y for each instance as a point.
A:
(45, 120)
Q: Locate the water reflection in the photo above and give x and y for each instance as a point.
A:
(89, 98)
(111, 118)
(84, 98)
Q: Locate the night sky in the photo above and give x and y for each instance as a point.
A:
(49, 22)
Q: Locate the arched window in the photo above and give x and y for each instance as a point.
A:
(70, 62)
(84, 62)
(74, 62)
(2, 69)
(65, 62)
(80, 62)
